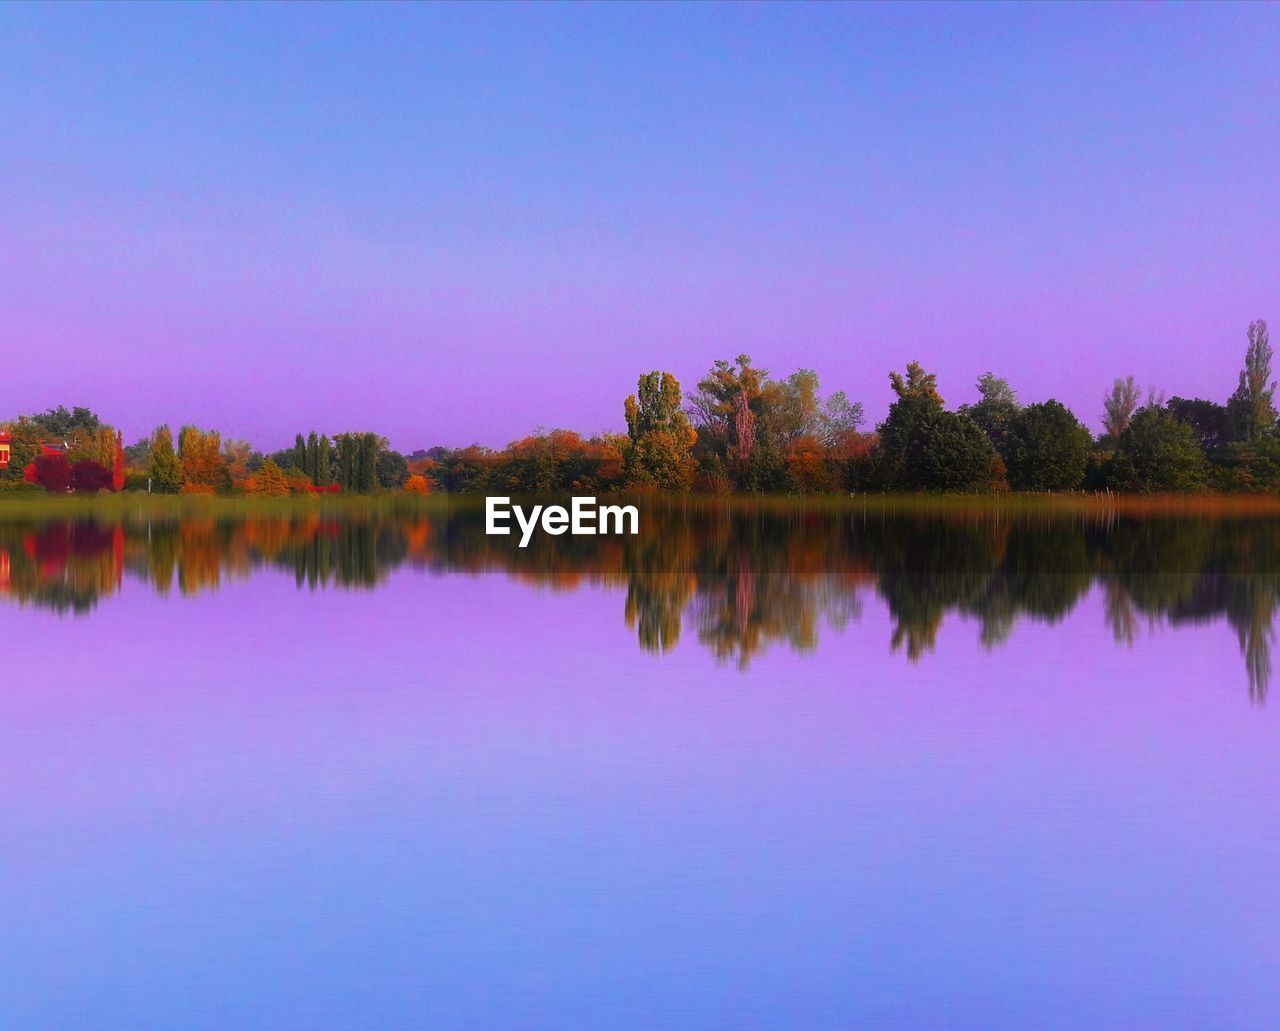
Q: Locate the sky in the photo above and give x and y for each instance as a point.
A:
(455, 224)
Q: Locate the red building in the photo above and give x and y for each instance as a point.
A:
(5, 449)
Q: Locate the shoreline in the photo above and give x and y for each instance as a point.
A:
(144, 505)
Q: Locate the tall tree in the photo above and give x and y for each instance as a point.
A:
(117, 464)
(300, 453)
(660, 439)
(1119, 405)
(164, 467)
(367, 463)
(1251, 405)
(347, 461)
(313, 457)
(324, 468)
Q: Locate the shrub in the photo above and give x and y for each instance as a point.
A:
(20, 487)
(89, 477)
(52, 472)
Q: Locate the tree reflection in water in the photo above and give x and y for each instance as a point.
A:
(743, 576)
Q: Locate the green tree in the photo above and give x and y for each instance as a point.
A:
(1209, 420)
(391, 469)
(1158, 454)
(367, 463)
(1046, 448)
(918, 402)
(60, 423)
(312, 468)
(24, 447)
(324, 466)
(346, 474)
(947, 451)
(660, 439)
(164, 467)
(995, 410)
(299, 461)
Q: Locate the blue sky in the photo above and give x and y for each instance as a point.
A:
(456, 223)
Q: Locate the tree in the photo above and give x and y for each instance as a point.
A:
(138, 456)
(1210, 421)
(164, 468)
(52, 472)
(347, 461)
(89, 476)
(654, 406)
(299, 454)
(117, 465)
(838, 417)
(916, 385)
(1119, 405)
(792, 409)
(24, 446)
(367, 464)
(1158, 454)
(417, 484)
(1251, 405)
(1248, 465)
(663, 459)
(239, 458)
(466, 469)
(660, 439)
(324, 468)
(714, 405)
(996, 409)
(810, 469)
(948, 451)
(312, 457)
(1047, 448)
(202, 461)
(269, 480)
(391, 469)
(918, 402)
(60, 423)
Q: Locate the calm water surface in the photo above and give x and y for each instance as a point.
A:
(750, 770)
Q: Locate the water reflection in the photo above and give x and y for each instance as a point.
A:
(742, 578)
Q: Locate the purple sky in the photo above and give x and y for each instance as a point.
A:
(455, 224)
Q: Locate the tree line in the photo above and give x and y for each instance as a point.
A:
(738, 430)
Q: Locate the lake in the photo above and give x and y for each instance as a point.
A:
(761, 766)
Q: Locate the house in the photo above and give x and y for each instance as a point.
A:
(6, 442)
